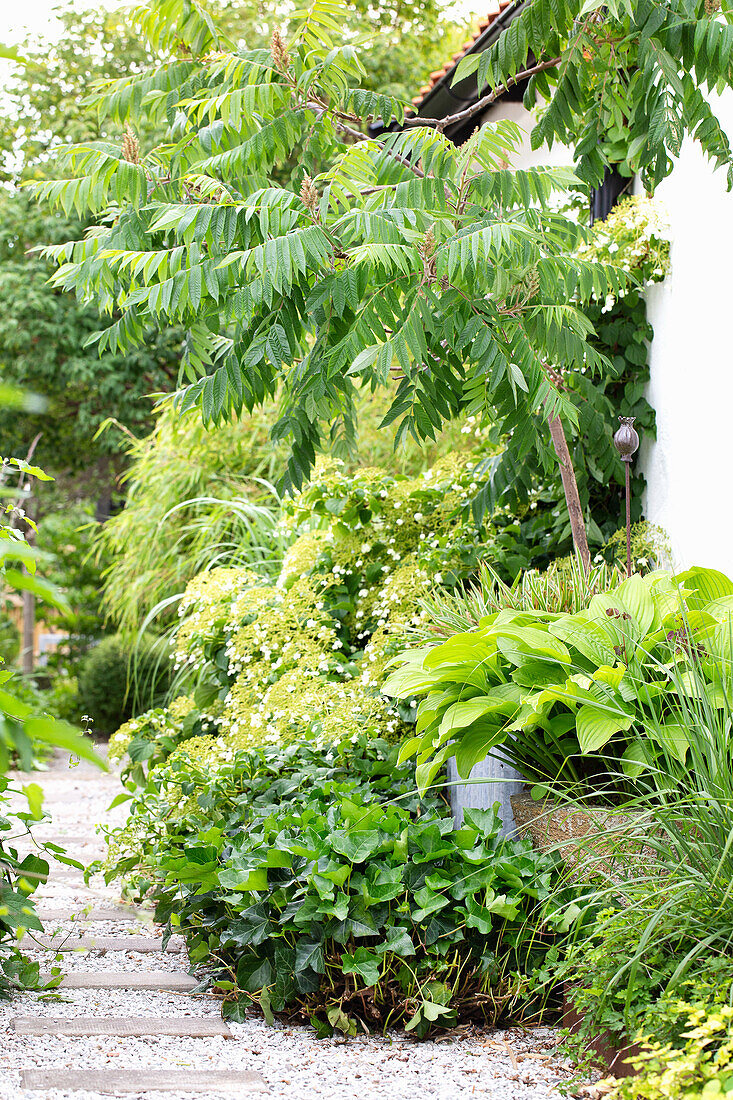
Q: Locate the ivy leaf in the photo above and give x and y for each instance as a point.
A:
(249, 881)
(236, 1010)
(398, 942)
(356, 846)
(363, 962)
(253, 973)
(309, 956)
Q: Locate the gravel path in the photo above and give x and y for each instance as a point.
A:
(504, 1065)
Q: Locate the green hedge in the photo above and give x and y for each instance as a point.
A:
(120, 678)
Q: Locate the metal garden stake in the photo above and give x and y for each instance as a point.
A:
(626, 442)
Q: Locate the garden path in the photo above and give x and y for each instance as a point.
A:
(126, 1012)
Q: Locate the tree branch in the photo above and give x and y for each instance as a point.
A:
(357, 135)
(485, 101)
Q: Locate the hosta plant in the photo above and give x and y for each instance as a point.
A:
(582, 699)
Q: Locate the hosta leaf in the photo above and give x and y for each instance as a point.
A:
(596, 727)
(608, 675)
(462, 714)
(635, 759)
(475, 746)
(469, 648)
(518, 643)
(704, 585)
(636, 597)
(406, 681)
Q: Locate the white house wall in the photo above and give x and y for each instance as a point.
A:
(689, 468)
(527, 157)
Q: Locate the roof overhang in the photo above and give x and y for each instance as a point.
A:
(442, 97)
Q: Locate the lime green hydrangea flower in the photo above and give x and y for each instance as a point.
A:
(304, 657)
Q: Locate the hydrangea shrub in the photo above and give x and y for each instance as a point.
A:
(304, 656)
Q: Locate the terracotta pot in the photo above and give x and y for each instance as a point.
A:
(610, 1053)
(600, 838)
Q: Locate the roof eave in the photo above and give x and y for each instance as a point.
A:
(481, 43)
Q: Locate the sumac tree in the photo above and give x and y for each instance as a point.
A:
(399, 255)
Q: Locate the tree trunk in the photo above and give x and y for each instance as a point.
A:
(570, 486)
(29, 623)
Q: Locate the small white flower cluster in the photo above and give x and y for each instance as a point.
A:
(635, 237)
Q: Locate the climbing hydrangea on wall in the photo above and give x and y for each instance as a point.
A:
(635, 237)
(303, 658)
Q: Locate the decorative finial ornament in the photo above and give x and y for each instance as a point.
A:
(626, 439)
(626, 442)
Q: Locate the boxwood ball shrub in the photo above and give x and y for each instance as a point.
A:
(119, 677)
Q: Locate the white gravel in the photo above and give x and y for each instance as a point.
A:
(511, 1065)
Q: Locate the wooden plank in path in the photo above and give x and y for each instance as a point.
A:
(138, 944)
(81, 917)
(197, 1082)
(157, 981)
(130, 1026)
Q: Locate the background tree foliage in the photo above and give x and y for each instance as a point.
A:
(43, 333)
(405, 254)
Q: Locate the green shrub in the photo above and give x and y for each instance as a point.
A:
(623, 972)
(152, 736)
(23, 727)
(650, 548)
(699, 1067)
(591, 701)
(320, 884)
(655, 965)
(637, 972)
(201, 497)
(66, 537)
(62, 698)
(119, 677)
(303, 656)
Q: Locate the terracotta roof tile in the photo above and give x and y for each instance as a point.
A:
(480, 26)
